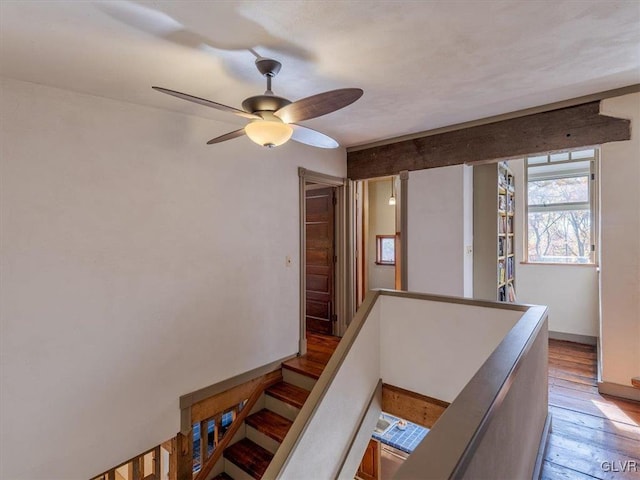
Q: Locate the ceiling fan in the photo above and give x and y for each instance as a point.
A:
(274, 119)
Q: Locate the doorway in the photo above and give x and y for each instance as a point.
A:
(378, 235)
(326, 255)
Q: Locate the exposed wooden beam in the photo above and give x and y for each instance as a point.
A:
(571, 127)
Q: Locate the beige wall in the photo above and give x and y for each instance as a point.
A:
(570, 291)
(440, 226)
(382, 221)
(138, 264)
(620, 248)
(434, 348)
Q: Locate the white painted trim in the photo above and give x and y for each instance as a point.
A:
(574, 337)
(621, 391)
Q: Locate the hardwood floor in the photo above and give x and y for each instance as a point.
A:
(319, 350)
(593, 435)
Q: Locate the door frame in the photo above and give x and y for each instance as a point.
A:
(343, 250)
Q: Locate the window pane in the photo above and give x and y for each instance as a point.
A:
(387, 250)
(583, 154)
(559, 157)
(559, 190)
(534, 160)
(560, 236)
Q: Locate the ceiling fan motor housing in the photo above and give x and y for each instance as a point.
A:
(264, 103)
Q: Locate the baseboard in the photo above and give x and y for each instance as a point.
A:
(617, 390)
(574, 337)
(542, 449)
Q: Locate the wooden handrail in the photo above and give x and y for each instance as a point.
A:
(207, 466)
(136, 467)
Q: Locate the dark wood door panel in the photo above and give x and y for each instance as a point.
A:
(319, 269)
(323, 270)
(318, 296)
(317, 325)
(318, 309)
(317, 283)
(319, 201)
(317, 256)
(318, 235)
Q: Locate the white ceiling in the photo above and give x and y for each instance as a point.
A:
(422, 64)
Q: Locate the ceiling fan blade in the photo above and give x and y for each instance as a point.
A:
(226, 136)
(320, 104)
(312, 137)
(207, 103)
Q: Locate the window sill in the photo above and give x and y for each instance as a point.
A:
(592, 265)
(386, 264)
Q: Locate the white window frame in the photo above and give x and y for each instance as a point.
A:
(592, 203)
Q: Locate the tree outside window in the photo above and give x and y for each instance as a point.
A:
(560, 226)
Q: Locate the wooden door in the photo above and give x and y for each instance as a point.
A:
(320, 251)
(369, 468)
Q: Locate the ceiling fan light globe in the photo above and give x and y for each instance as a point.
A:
(268, 133)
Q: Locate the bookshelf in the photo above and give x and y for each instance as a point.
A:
(494, 260)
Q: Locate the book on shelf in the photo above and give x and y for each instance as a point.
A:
(502, 225)
(501, 272)
(502, 202)
(501, 246)
(511, 292)
(502, 294)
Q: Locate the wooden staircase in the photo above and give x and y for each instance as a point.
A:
(269, 421)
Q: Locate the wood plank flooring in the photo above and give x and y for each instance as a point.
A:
(593, 435)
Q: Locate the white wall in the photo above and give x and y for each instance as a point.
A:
(570, 291)
(327, 435)
(446, 343)
(620, 249)
(382, 221)
(138, 264)
(440, 224)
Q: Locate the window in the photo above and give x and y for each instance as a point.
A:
(385, 249)
(561, 189)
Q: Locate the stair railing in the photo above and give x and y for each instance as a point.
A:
(146, 466)
(207, 464)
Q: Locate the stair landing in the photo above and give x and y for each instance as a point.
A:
(319, 351)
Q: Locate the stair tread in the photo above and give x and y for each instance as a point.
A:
(249, 456)
(304, 366)
(270, 423)
(288, 393)
(223, 476)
